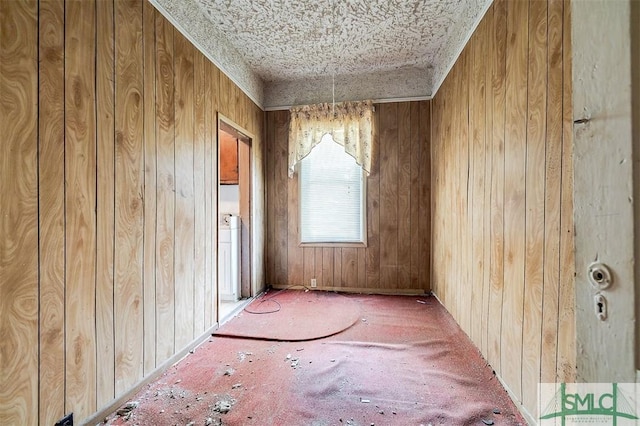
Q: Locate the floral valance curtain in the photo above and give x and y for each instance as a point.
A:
(350, 123)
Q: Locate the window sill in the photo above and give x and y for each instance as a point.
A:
(334, 245)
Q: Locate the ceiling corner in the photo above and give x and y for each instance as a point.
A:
(447, 56)
(188, 18)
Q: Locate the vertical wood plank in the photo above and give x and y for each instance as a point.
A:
(417, 170)
(497, 49)
(106, 204)
(199, 193)
(552, 194)
(477, 158)
(488, 144)
(244, 180)
(270, 225)
(258, 211)
(435, 178)
(224, 96)
(566, 318)
(280, 182)
(51, 212)
(337, 267)
(373, 214)
(80, 202)
(165, 192)
(440, 203)
(349, 267)
(389, 195)
(424, 198)
(214, 77)
(463, 166)
(362, 268)
(19, 204)
(319, 267)
(211, 195)
(309, 265)
(184, 220)
(129, 190)
(150, 185)
(404, 195)
(444, 161)
(327, 267)
(535, 197)
(295, 254)
(514, 219)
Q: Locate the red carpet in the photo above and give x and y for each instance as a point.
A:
(402, 363)
(293, 316)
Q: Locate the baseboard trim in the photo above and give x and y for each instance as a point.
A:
(521, 408)
(99, 416)
(105, 411)
(525, 413)
(358, 290)
(238, 309)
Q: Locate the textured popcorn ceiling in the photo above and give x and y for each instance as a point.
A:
(284, 52)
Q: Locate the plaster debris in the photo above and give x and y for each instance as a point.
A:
(496, 411)
(229, 372)
(243, 355)
(222, 406)
(294, 362)
(210, 421)
(288, 357)
(128, 408)
(487, 421)
(365, 401)
(421, 301)
(191, 424)
(236, 386)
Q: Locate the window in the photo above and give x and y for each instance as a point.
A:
(332, 196)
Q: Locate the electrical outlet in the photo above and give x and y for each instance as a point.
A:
(314, 283)
(65, 421)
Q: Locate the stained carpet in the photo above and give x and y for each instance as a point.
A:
(293, 316)
(404, 362)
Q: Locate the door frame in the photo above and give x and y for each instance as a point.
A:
(246, 166)
(605, 143)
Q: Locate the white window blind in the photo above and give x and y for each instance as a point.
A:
(331, 196)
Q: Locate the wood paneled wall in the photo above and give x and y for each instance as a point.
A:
(108, 199)
(502, 194)
(396, 258)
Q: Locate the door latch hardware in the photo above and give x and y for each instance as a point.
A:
(600, 276)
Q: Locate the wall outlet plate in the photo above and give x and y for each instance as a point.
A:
(314, 283)
(65, 421)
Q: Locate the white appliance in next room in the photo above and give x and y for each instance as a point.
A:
(229, 257)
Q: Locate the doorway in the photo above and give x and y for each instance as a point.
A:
(234, 217)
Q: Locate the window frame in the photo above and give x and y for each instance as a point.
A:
(363, 214)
